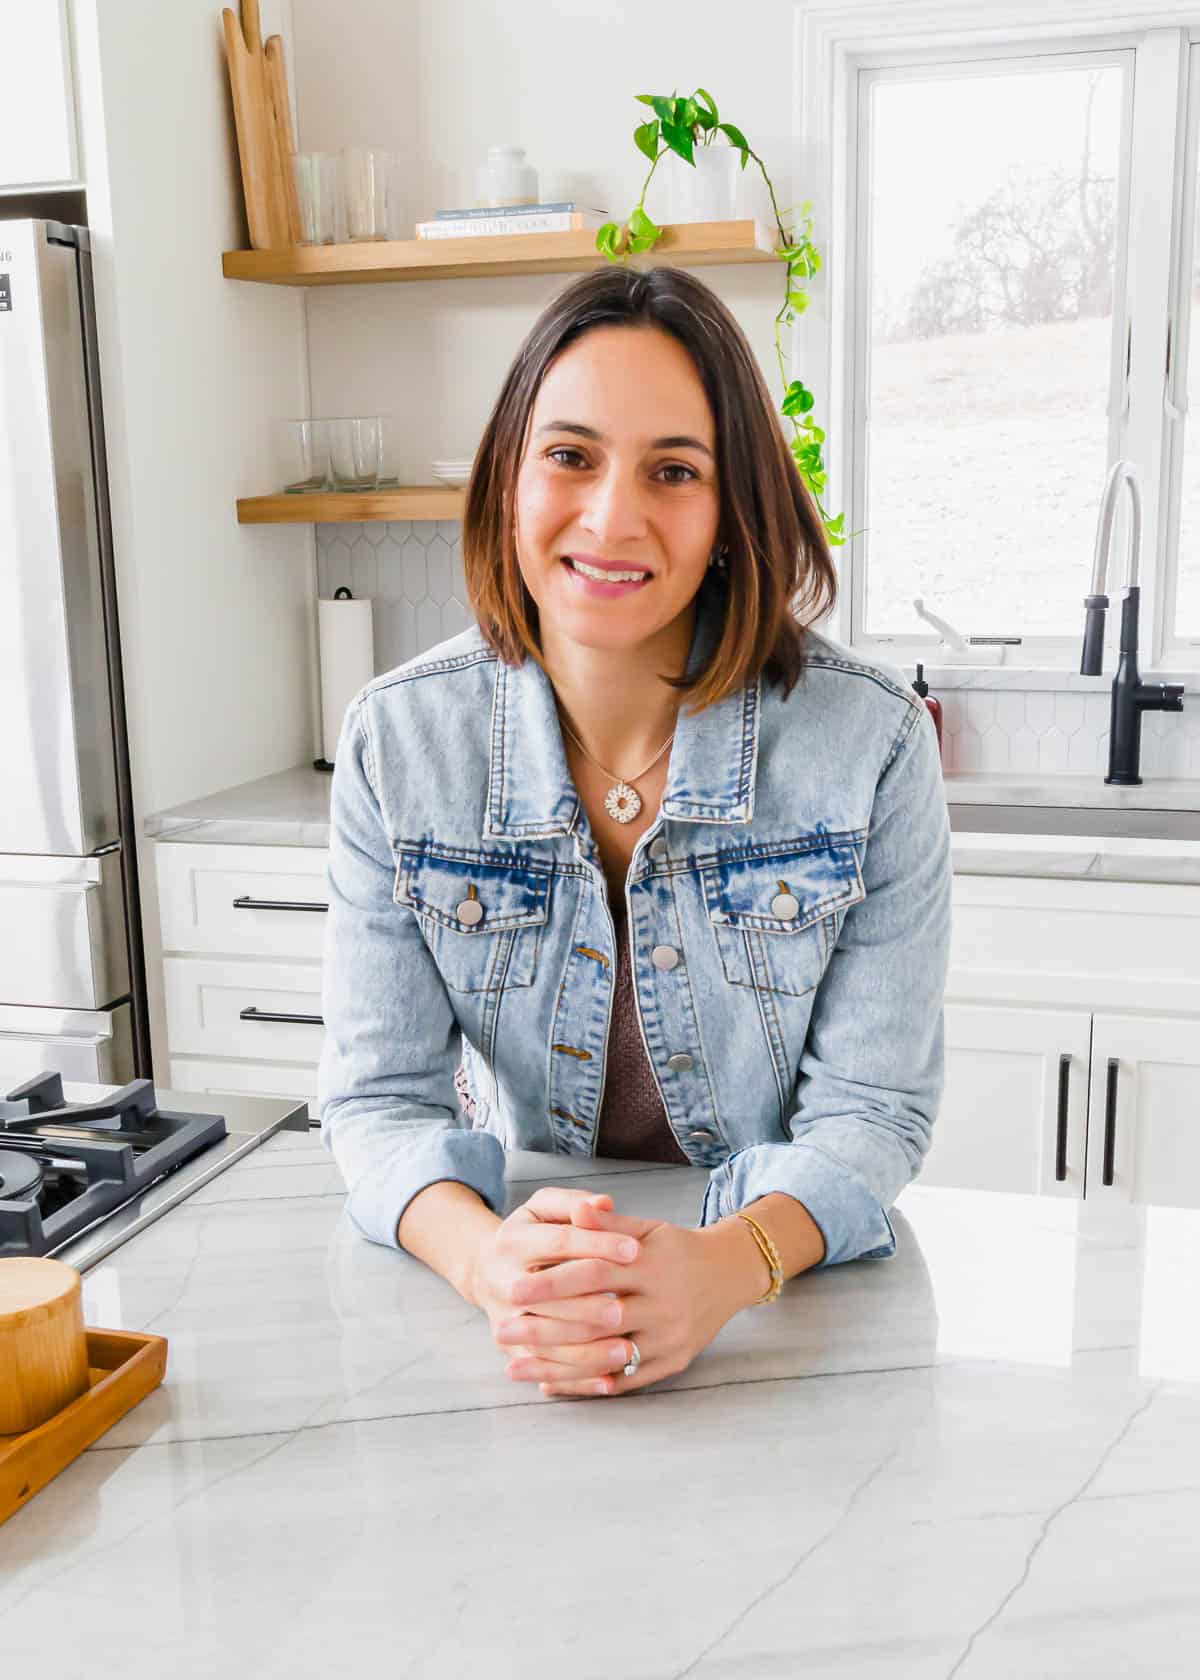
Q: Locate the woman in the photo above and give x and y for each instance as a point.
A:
(666, 869)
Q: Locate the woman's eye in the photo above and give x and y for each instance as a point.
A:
(669, 467)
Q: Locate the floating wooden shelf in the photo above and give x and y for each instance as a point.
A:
(689, 244)
(353, 507)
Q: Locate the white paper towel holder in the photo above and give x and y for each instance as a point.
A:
(339, 594)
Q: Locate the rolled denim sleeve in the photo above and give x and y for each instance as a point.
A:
(385, 1086)
(872, 1070)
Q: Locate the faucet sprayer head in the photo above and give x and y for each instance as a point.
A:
(1092, 662)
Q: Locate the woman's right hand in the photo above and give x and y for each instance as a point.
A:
(539, 1234)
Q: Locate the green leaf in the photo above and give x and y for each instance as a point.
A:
(703, 93)
(797, 399)
(798, 300)
(836, 524)
(606, 238)
(686, 113)
(664, 109)
(640, 225)
(806, 207)
(734, 135)
(788, 251)
(646, 98)
(706, 121)
(680, 141)
(645, 138)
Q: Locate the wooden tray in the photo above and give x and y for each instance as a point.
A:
(122, 1369)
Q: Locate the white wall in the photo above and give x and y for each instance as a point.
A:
(216, 618)
(440, 81)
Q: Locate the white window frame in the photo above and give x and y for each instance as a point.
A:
(833, 44)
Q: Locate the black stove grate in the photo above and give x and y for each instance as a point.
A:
(93, 1157)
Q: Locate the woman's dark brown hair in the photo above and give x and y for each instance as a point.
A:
(780, 575)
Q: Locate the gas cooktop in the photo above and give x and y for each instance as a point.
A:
(76, 1177)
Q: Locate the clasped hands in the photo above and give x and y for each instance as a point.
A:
(566, 1283)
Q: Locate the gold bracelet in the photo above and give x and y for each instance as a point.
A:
(771, 1255)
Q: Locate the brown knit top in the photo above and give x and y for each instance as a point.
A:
(633, 1122)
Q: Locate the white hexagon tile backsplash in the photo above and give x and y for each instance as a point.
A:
(413, 573)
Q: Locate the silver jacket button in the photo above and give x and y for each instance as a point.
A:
(470, 911)
(680, 1062)
(664, 956)
(658, 848)
(785, 907)
(699, 1137)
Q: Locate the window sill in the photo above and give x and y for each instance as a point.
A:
(1033, 681)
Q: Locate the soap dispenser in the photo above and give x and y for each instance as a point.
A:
(934, 706)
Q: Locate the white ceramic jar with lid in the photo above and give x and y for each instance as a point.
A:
(506, 178)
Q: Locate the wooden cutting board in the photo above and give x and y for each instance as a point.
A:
(262, 117)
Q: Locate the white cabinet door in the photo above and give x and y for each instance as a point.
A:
(1144, 1134)
(1014, 1113)
(37, 100)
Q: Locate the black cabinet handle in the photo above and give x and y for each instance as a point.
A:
(253, 1014)
(1064, 1093)
(1110, 1118)
(274, 904)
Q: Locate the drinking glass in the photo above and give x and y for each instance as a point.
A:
(354, 450)
(303, 455)
(316, 189)
(366, 176)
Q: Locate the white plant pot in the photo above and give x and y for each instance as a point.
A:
(705, 191)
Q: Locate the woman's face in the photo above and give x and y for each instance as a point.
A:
(619, 470)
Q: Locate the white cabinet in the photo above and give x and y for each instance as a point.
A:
(1072, 1041)
(38, 145)
(1014, 1113)
(1144, 1132)
(243, 935)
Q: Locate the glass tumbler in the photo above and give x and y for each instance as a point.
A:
(366, 177)
(354, 451)
(303, 455)
(316, 189)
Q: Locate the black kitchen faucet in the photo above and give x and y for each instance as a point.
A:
(1130, 695)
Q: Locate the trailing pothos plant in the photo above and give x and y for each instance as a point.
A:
(679, 125)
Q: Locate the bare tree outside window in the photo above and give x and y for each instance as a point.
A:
(992, 262)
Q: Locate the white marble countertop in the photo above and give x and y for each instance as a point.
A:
(291, 808)
(977, 1458)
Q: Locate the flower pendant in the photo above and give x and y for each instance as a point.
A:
(622, 802)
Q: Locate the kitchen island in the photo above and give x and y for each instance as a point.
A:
(976, 1458)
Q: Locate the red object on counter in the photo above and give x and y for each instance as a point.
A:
(934, 706)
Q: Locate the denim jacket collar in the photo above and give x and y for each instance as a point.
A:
(710, 773)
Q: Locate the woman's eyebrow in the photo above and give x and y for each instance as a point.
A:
(679, 442)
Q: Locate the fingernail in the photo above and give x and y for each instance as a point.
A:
(627, 1249)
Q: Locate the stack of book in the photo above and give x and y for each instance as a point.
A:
(560, 217)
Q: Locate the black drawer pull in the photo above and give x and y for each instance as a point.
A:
(1064, 1092)
(1110, 1118)
(274, 904)
(254, 1014)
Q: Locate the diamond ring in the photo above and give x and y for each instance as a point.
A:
(633, 1364)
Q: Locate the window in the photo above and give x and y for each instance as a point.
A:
(1008, 342)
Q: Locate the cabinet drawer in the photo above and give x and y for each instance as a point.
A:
(244, 1079)
(232, 1009)
(254, 901)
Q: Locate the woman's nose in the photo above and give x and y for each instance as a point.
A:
(614, 510)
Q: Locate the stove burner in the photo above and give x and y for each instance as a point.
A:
(19, 1175)
(64, 1166)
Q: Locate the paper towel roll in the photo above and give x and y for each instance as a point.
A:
(345, 634)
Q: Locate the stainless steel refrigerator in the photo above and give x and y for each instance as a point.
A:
(72, 969)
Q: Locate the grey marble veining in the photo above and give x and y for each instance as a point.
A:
(976, 1458)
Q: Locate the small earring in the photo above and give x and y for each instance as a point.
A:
(719, 558)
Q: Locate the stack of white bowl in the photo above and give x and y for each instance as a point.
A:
(452, 472)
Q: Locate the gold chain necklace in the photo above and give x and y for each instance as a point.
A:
(622, 802)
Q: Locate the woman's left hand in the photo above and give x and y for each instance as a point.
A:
(672, 1308)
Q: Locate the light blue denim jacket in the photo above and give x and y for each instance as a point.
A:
(798, 868)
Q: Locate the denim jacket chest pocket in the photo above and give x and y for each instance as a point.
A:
(480, 916)
(775, 916)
